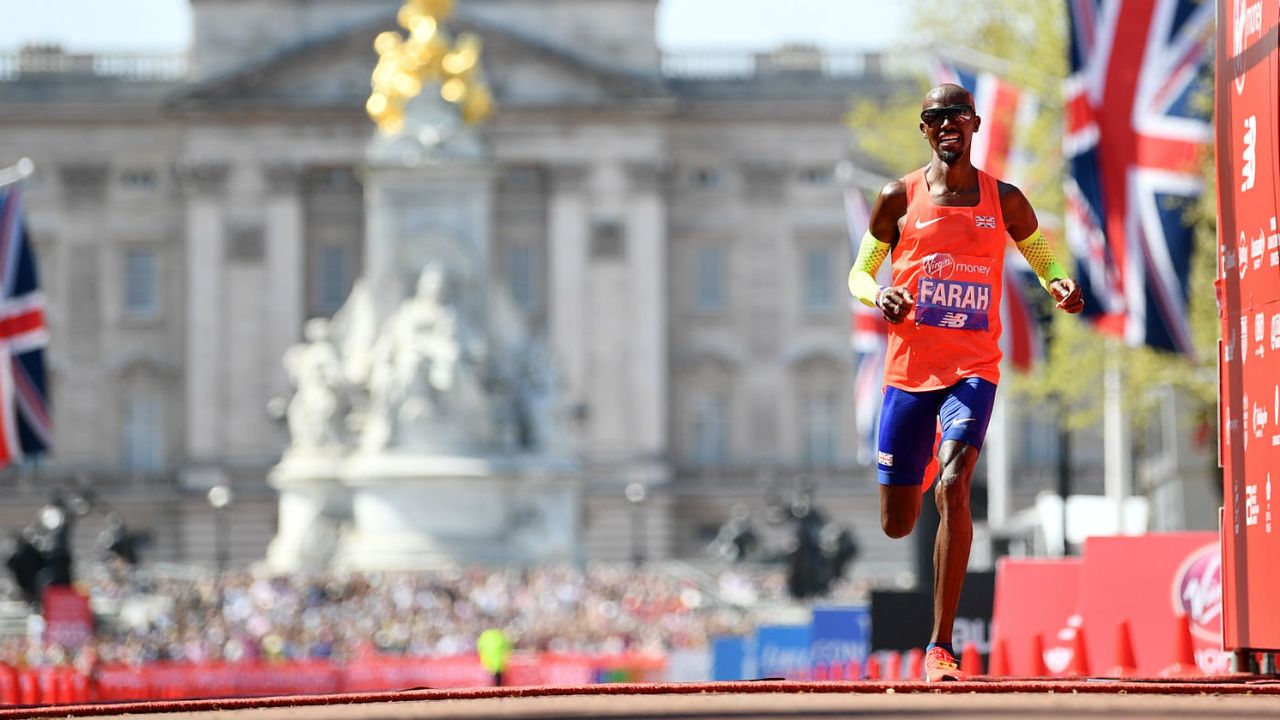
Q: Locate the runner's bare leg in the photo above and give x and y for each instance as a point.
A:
(955, 534)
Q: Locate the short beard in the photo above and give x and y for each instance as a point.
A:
(949, 156)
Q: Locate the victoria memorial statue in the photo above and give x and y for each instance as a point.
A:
(425, 418)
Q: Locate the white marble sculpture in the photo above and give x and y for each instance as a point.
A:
(315, 411)
(421, 382)
(415, 383)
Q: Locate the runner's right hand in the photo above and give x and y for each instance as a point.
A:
(896, 304)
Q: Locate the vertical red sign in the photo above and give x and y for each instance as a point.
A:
(1247, 124)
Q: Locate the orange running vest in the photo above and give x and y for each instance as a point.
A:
(951, 259)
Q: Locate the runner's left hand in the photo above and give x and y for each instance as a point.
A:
(1067, 293)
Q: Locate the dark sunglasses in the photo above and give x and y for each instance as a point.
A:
(933, 117)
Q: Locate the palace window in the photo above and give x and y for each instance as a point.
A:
(710, 279)
(141, 294)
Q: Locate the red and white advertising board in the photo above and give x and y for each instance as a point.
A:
(1247, 124)
(1149, 581)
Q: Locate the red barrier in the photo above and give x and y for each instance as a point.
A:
(8, 685)
(47, 685)
(28, 688)
(120, 682)
(396, 673)
(79, 684)
(177, 681)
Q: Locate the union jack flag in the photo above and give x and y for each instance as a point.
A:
(869, 336)
(25, 428)
(1132, 138)
(1005, 109)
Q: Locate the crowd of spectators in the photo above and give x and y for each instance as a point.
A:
(599, 609)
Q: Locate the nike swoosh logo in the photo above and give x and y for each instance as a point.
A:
(921, 226)
(963, 421)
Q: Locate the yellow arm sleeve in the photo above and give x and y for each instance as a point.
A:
(1040, 257)
(862, 278)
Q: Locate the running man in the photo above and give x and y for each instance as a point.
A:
(945, 225)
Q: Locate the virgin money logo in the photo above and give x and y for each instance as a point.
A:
(1246, 22)
(939, 265)
(1197, 592)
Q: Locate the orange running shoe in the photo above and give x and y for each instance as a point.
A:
(940, 666)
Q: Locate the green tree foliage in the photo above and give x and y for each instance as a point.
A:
(1025, 41)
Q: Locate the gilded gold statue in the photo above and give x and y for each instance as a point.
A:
(427, 57)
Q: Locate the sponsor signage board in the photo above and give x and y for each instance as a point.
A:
(781, 651)
(1247, 148)
(840, 635)
(1149, 581)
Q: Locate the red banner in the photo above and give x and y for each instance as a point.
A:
(1247, 121)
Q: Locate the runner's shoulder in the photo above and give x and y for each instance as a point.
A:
(1019, 217)
(894, 188)
(1011, 196)
(893, 198)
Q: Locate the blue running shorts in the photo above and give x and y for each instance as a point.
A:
(908, 426)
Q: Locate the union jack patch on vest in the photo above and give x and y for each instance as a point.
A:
(985, 221)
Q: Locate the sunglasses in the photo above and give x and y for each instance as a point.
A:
(933, 117)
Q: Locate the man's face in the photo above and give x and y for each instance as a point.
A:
(948, 121)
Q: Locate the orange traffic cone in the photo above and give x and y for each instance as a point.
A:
(853, 671)
(819, 672)
(1184, 656)
(1038, 668)
(999, 659)
(914, 664)
(971, 660)
(1125, 665)
(873, 667)
(1079, 666)
(892, 665)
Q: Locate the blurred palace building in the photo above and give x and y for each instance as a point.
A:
(672, 221)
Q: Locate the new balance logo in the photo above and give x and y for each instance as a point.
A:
(985, 221)
(953, 320)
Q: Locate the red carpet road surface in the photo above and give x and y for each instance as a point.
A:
(1234, 697)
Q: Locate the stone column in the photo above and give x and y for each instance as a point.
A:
(84, 386)
(764, 185)
(763, 257)
(647, 265)
(205, 185)
(567, 236)
(286, 268)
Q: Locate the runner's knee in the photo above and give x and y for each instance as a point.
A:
(899, 508)
(896, 527)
